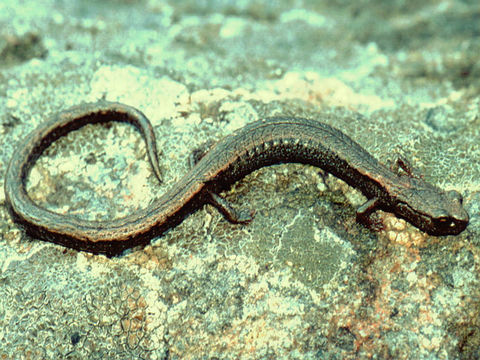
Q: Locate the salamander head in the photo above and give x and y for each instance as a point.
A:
(429, 208)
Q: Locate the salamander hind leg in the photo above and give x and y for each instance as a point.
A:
(226, 208)
(198, 153)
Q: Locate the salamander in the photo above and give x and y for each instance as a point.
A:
(261, 143)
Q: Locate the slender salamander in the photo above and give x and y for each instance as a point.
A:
(258, 144)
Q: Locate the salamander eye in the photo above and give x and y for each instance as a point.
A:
(455, 195)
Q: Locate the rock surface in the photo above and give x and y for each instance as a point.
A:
(303, 280)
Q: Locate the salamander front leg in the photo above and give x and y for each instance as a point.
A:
(401, 163)
(364, 215)
(230, 213)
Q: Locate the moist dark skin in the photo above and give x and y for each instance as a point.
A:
(258, 144)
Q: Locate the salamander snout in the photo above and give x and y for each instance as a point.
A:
(431, 209)
(454, 218)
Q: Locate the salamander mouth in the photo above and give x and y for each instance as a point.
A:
(450, 226)
(441, 226)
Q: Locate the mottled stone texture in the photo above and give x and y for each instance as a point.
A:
(303, 280)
